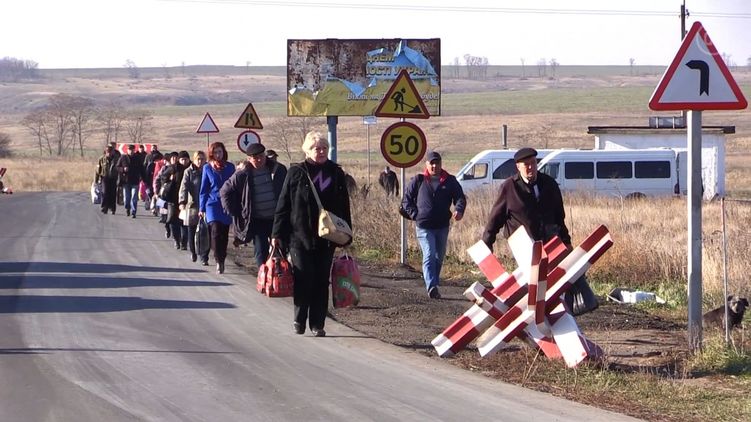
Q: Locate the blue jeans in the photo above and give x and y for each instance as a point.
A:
(130, 197)
(433, 245)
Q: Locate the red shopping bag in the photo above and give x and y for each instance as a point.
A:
(345, 282)
(277, 276)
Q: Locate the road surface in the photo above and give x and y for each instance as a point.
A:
(102, 319)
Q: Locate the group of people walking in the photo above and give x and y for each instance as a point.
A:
(260, 201)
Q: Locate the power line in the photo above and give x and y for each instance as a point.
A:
(451, 9)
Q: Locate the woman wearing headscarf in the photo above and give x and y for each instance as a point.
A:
(296, 227)
(215, 173)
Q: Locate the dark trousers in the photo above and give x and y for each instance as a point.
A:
(311, 270)
(261, 234)
(179, 233)
(219, 238)
(109, 194)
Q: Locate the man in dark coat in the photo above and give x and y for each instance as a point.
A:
(389, 182)
(106, 173)
(250, 196)
(533, 200)
(131, 172)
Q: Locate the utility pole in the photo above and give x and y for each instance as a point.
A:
(684, 14)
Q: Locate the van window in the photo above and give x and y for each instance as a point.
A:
(505, 170)
(652, 169)
(478, 171)
(551, 169)
(579, 170)
(614, 170)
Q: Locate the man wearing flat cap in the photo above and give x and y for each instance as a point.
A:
(427, 200)
(250, 197)
(532, 200)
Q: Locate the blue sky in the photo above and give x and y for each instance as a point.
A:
(153, 33)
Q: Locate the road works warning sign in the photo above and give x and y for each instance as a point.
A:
(698, 78)
(402, 100)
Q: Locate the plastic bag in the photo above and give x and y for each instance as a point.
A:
(203, 240)
(345, 282)
(96, 193)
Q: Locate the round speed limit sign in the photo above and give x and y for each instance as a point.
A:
(403, 144)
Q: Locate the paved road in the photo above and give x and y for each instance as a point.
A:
(102, 320)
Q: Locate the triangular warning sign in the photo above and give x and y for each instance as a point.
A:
(402, 100)
(207, 125)
(249, 119)
(697, 79)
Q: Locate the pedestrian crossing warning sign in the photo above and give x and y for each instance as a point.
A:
(402, 100)
(249, 119)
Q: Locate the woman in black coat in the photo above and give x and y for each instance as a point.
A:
(296, 227)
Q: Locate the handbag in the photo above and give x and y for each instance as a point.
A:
(96, 193)
(276, 275)
(203, 241)
(330, 226)
(345, 282)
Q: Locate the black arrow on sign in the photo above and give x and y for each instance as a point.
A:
(703, 68)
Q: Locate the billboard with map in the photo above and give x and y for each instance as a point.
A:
(333, 77)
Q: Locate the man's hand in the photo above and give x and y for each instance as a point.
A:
(458, 215)
(277, 243)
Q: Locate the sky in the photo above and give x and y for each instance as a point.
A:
(156, 33)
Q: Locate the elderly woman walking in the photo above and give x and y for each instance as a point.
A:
(296, 227)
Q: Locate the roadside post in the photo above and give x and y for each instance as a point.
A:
(368, 121)
(208, 127)
(403, 144)
(696, 80)
(248, 120)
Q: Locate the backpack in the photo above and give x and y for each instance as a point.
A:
(402, 211)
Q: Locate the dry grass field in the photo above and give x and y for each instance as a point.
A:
(650, 235)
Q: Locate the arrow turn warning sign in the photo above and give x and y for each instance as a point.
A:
(698, 78)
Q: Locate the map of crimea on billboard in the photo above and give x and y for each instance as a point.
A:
(334, 77)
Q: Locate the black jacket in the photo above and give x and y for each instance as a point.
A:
(237, 195)
(296, 217)
(135, 169)
(517, 206)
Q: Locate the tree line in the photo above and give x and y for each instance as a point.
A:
(66, 123)
(14, 70)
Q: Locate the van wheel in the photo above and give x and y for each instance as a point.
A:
(635, 196)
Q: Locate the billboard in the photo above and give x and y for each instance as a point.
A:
(333, 77)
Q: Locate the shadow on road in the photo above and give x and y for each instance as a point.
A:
(79, 267)
(63, 282)
(96, 304)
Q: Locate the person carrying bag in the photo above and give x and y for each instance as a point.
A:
(330, 226)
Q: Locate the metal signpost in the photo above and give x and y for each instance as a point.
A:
(696, 80)
(368, 121)
(403, 144)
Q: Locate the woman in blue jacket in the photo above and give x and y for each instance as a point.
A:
(215, 173)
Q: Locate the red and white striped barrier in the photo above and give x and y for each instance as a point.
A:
(540, 318)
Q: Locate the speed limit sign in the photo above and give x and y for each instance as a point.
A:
(403, 144)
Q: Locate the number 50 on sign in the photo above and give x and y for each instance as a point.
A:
(403, 144)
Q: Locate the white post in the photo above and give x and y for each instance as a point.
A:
(725, 268)
(368, 131)
(403, 221)
(694, 231)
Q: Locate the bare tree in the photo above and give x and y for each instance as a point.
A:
(111, 118)
(288, 134)
(60, 121)
(136, 123)
(133, 70)
(553, 66)
(542, 70)
(14, 70)
(82, 112)
(36, 122)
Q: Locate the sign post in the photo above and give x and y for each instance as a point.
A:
(367, 121)
(696, 80)
(208, 127)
